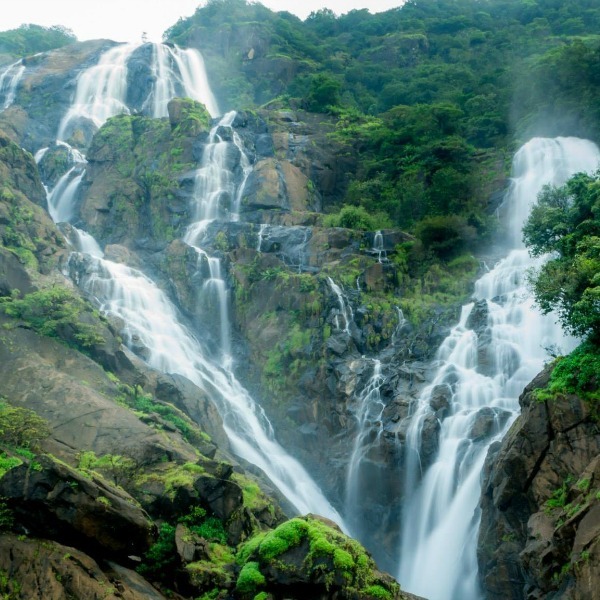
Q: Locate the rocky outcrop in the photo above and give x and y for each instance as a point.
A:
(39, 569)
(540, 530)
(44, 94)
(50, 499)
(309, 557)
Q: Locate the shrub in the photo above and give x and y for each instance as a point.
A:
(21, 427)
(55, 312)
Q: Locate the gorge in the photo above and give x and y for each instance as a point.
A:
(219, 337)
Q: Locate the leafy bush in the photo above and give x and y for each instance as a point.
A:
(357, 217)
(566, 223)
(445, 236)
(55, 312)
(21, 427)
(161, 558)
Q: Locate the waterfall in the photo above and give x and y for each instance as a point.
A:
(179, 72)
(9, 80)
(214, 183)
(367, 412)
(378, 247)
(345, 308)
(62, 199)
(102, 89)
(152, 325)
(481, 380)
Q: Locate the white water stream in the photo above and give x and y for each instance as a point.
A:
(440, 517)
(9, 80)
(368, 412)
(150, 320)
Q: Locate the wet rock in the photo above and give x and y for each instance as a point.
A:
(54, 164)
(265, 187)
(39, 569)
(440, 399)
(140, 77)
(223, 496)
(488, 421)
(540, 504)
(13, 275)
(59, 502)
(429, 440)
(190, 546)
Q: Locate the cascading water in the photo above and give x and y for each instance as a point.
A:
(482, 385)
(369, 427)
(62, 200)
(102, 89)
(9, 80)
(151, 321)
(345, 308)
(179, 72)
(378, 247)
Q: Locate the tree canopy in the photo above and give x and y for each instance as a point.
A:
(566, 223)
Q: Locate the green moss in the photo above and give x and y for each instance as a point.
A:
(330, 554)
(286, 536)
(7, 463)
(378, 592)
(250, 579)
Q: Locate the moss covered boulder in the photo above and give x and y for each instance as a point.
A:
(309, 557)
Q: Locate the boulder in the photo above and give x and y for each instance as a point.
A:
(52, 499)
(39, 569)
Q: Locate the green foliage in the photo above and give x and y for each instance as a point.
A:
(145, 404)
(161, 558)
(8, 462)
(120, 469)
(21, 427)
(357, 217)
(559, 497)
(378, 592)
(566, 223)
(55, 312)
(6, 516)
(578, 373)
(29, 39)
(445, 236)
(250, 579)
(10, 589)
(323, 93)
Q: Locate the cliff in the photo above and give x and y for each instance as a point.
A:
(540, 530)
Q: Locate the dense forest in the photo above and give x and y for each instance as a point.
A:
(434, 95)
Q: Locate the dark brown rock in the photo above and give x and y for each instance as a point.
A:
(60, 502)
(39, 569)
(540, 528)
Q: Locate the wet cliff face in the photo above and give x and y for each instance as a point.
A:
(540, 532)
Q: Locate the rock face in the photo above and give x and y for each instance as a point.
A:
(540, 530)
(44, 94)
(39, 569)
(53, 500)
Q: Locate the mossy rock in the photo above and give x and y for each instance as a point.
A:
(310, 556)
(188, 117)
